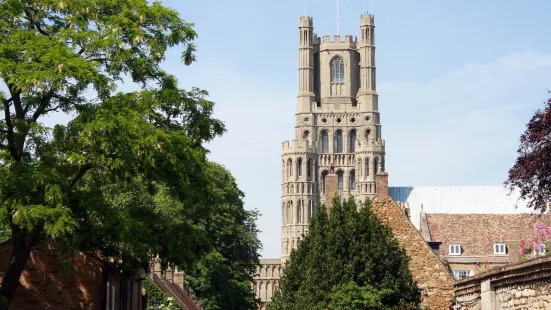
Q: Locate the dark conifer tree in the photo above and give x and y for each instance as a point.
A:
(348, 260)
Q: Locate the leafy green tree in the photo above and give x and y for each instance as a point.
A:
(126, 177)
(349, 260)
(223, 278)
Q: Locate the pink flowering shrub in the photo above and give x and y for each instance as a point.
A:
(540, 244)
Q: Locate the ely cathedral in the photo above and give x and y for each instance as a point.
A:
(337, 126)
(338, 139)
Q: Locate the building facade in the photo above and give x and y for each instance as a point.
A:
(473, 243)
(337, 125)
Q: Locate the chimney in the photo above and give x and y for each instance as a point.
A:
(381, 185)
(169, 274)
(331, 190)
(178, 277)
(157, 267)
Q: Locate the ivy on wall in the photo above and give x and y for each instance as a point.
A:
(156, 293)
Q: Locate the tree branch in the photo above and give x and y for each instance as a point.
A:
(11, 139)
(35, 25)
(81, 172)
(40, 110)
(16, 98)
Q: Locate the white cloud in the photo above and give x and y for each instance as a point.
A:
(462, 129)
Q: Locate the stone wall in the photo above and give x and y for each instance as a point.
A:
(524, 285)
(430, 273)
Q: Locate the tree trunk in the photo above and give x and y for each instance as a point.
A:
(21, 249)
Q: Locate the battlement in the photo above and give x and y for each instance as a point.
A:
(367, 20)
(306, 21)
(348, 39)
(297, 147)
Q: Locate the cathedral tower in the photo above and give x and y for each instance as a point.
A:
(337, 123)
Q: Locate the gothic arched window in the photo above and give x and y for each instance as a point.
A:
(299, 167)
(324, 141)
(375, 165)
(337, 70)
(366, 171)
(352, 182)
(299, 211)
(283, 212)
(340, 179)
(290, 167)
(367, 134)
(352, 141)
(338, 141)
(290, 212)
(309, 168)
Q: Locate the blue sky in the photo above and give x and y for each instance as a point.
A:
(457, 82)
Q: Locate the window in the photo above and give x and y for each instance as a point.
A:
(367, 134)
(352, 180)
(499, 248)
(366, 171)
(455, 249)
(110, 298)
(299, 167)
(352, 141)
(461, 274)
(108, 295)
(375, 166)
(324, 142)
(309, 168)
(299, 211)
(290, 167)
(337, 70)
(338, 141)
(340, 176)
(539, 249)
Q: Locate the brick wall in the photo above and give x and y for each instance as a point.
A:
(430, 273)
(46, 284)
(517, 286)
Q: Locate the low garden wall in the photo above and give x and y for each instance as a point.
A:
(525, 285)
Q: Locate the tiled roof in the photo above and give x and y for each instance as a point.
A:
(477, 233)
(458, 200)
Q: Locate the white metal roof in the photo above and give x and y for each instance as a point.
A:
(459, 200)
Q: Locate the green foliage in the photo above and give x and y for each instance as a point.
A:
(127, 177)
(170, 304)
(154, 293)
(350, 296)
(223, 278)
(349, 260)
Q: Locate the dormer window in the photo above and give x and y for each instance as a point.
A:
(500, 249)
(455, 249)
(337, 70)
(539, 249)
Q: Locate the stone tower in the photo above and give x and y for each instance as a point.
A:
(337, 123)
